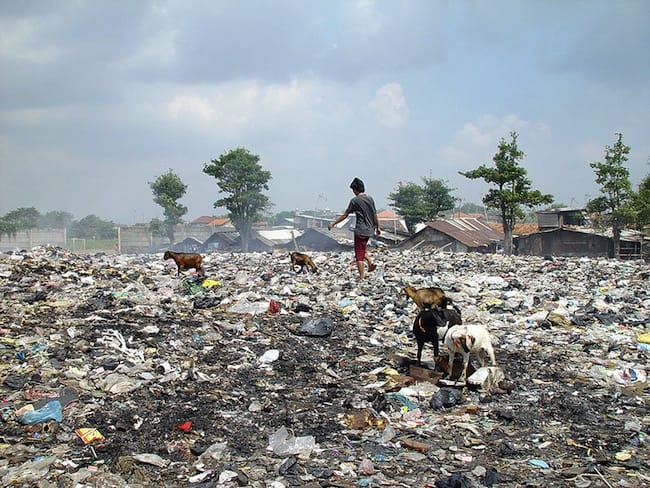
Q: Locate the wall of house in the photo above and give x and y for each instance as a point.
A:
(564, 244)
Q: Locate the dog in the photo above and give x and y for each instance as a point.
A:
(302, 260)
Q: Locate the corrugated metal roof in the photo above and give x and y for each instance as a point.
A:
(469, 231)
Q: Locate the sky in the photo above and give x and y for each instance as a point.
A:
(99, 98)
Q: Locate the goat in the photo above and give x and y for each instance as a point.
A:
(428, 297)
(426, 324)
(467, 339)
(185, 260)
(302, 260)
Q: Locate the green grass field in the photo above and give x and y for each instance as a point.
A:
(90, 245)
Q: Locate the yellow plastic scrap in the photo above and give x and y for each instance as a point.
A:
(491, 303)
(210, 283)
(644, 338)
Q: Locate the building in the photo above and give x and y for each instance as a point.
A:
(564, 232)
(457, 235)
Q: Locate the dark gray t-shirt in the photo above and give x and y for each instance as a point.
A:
(363, 206)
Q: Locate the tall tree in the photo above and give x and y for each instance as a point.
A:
(8, 228)
(641, 204)
(613, 206)
(168, 189)
(513, 188)
(436, 198)
(407, 201)
(23, 218)
(241, 177)
(421, 203)
(56, 220)
(92, 227)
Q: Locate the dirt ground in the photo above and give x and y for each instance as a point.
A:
(558, 418)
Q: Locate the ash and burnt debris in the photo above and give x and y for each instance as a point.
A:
(191, 381)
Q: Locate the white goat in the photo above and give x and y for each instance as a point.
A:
(466, 339)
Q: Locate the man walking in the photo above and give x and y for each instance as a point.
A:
(363, 206)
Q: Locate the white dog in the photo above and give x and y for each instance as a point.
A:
(467, 339)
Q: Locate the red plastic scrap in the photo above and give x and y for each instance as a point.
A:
(274, 307)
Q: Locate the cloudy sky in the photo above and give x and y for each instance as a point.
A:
(98, 98)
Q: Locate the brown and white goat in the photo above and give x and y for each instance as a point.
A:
(465, 340)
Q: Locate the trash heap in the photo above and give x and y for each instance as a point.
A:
(116, 372)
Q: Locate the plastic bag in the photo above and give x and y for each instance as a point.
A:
(51, 411)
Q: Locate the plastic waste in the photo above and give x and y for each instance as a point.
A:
(274, 307)
(317, 327)
(282, 444)
(402, 400)
(253, 308)
(269, 356)
(627, 376)
(51, 411)
(446, 397)
(539, 463)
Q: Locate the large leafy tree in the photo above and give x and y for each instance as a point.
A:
(92, 227)
(56, 220)
(23, 218)
(240, 176)
(421, 203)
(407, 201)
(613, 207)
(641, 204)
(512, 187)
(167, 190)
(436, 198)
(7, 228)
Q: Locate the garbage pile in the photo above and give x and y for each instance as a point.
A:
(116, 372)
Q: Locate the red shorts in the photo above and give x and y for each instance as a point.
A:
(360, 244)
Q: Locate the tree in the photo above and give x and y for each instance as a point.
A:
(512, 187)
(418, 204)
(281, 217)
(437, 198)
(23, 218)
(92, 227)
(407, 201)
(613, 207)
(56, 220)
(168, 189)
(240, 176)
(641, 204)
(8, 228)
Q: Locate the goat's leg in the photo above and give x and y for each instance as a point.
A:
(463, 373)
(452, 356)
(491, 354)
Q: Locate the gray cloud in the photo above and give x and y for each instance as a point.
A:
(98, 98)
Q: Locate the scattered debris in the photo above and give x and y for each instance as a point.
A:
(254, 375)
